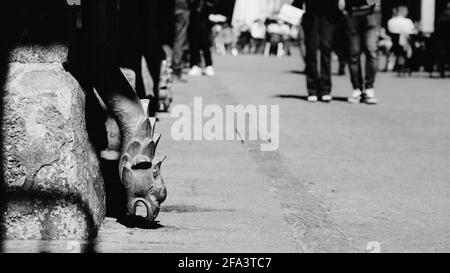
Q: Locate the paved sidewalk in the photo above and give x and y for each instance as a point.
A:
(345, 175)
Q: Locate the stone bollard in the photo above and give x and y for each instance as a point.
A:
(54, 188)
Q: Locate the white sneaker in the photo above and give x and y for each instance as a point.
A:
(209, 71)
(356, 97)
(369, 96)
(195, 71)
(327, 98)
(312, 98)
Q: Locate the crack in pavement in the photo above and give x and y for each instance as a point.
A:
(312, 227)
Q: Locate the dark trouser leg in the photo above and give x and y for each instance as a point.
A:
(340, 44)
(180, 39)
(194, 40)
(154, 55)
(371, 37)
(311, 29)
(355, 53)
(326, 39)
(205, 39)
(151, 47)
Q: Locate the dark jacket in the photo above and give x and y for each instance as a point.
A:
(327, 8)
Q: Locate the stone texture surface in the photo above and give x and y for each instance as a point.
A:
(54, 186)
(56, 53)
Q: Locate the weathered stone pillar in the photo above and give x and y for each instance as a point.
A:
(54, 188)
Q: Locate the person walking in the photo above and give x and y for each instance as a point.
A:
(143, 34)
(362, 30)
(200, 37)
(319, 25)
(181, 42)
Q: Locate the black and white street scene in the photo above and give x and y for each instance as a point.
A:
(225, 126)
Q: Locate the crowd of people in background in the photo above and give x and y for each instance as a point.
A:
(181, 35)
(345, 30)
(268, 36)
(175, 35)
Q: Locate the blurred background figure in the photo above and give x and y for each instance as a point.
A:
(362, 29)
(278, 34)
(442, 36)
(226, 39)
(319, 24)
(200, 37)
(384, 48)
(243, 40)
(181, 41)
(258, 33)
(341, 42)
(143, 33)
(401, 28)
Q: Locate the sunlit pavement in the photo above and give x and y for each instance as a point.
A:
(360, 173)
(345, 178)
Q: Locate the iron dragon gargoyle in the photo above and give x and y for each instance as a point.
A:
(140, 171)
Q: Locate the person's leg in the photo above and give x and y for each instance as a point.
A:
(326, 38)
(340, 44)
(151, 48)
(311, 29)
(205, 40)
(153, 58)
(355, 53)
(181, 37)
(194, 44)
(371, 37)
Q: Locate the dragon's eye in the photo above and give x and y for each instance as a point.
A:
(155, 173)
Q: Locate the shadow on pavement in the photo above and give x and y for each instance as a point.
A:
(305, 98)
(300, 72)
(138, 222)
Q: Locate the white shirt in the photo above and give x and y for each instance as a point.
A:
(401, 25)
(258, 31)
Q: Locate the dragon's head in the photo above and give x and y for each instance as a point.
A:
(140, 171)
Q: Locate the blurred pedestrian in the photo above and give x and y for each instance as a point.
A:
(181, 42)
(341, 43)
(442, 36)
(363, 29)
(319, 25)
(200, 37)
(258, 31)
(143, 34)
(401, 28)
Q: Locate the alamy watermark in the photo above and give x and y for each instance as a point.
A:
(232, 122)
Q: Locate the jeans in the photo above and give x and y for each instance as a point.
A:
(200, 40)
(362, 31)
(319, 30)
(181, 39)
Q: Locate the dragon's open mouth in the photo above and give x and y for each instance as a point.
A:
(151, 209)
